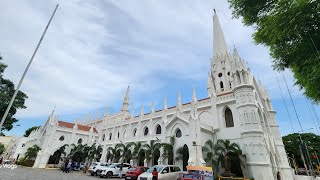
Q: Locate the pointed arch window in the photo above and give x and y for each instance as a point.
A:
(228, 118)
(103, 137)
(178, 133)
(61, 138)
(79, 141)
(146, 131)
(110, 136)
(118, 135)
(134, 132)
(221, 85)
(158, 130)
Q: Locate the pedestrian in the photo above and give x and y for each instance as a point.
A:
(69, 166)
(85, 169)
(278, 176)
(155, 174)
(120, 169)
(65, 166)
(1, 159)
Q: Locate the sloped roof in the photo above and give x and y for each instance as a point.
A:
(71, 125)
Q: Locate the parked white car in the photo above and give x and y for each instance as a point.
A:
(114, 170)
(165, 172)
(95, 166)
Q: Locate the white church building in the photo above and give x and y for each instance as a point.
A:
(238, 108)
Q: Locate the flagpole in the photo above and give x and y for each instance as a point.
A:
(26, 70)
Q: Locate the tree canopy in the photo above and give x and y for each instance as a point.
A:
(6, 92)
(28, 131)
(291, 29)
(292, 146)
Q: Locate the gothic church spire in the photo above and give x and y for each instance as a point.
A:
(125, 104)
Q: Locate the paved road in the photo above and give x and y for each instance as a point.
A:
(23, 173)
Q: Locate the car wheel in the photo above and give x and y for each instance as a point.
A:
(92, 174)
(109, 174)
(101, 176)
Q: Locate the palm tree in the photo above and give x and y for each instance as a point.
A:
(138, 153)
(32, 152)
(94, 152)
(225, 151)
(113, 153)
(168, 150)
(56, 157)
(125, 151)
(208, 148)
(151, 150)
(182, 153)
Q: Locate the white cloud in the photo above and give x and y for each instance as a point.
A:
(94, 49)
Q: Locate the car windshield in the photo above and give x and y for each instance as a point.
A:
(132, 169)
(112, 165)
(159, 168)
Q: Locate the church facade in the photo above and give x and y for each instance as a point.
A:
(238, 108)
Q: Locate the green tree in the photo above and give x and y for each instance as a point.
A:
(292, 146)
(182, 154)
(79, 152)
(168, 150)
(227, 152)
(114, 153)
(32, 152)
(291, 30)
(208, 149)
(138, 153)
(94, 152)
(56, 157)
(2, 148)
(126, 154)
(6, 92)
(151, 151)
(28, 131)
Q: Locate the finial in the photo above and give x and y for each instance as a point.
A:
(152, 106)
(132, 111)
(179, 98)
(125, 105)
(141, 110)
(165, 103)
(106, 113)
(194, 96)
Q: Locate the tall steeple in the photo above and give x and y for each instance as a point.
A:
(221, 59)
(125, 104)
(219, 43)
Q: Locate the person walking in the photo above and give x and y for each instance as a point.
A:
(85, 169)
(69, 166)
(155, 174)
(278, 176)
(120, 169)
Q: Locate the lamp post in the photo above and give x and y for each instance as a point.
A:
(303, 144)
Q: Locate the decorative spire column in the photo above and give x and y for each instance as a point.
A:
(125, 104)
(254, 144)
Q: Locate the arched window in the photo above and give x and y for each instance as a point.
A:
(158, 130)
(103, 137)
(178, 133)
(228, 118)
(110, 136)
(118, 135)
(220, 74)
(80, 141)
(134, 132)
(146, 131)
(221, 85)
(61, 138)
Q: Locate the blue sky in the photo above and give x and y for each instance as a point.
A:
(94, 49)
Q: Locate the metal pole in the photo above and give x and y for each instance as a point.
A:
(26, 70)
